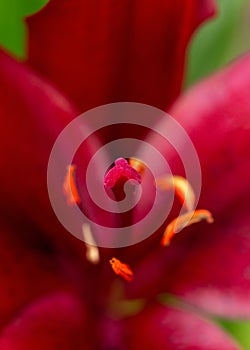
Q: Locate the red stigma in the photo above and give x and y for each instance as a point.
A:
(121, 170)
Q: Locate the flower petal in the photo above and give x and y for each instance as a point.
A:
(216, 115)
(100, 51)
(209, 265)
(29, 268)
(161, 327)
(54, 322)
(220, 118)
(32, 114)
(215, 270)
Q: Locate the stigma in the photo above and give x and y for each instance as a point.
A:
(121, 170)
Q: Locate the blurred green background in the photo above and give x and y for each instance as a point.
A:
(13, 32)
(216, 43)
(220, 40)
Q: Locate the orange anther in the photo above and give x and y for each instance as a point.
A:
(138, 165)
(185, 220)
(182, 188)
(69, 186)
(122, 269)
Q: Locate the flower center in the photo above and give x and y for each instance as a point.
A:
(132, 171)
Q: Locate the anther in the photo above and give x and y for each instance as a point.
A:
(138, 165)
(185, 220)
(122, 269)
(69, 186)
(182, 188)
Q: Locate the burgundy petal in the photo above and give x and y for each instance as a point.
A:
(219, 125)
(29, 269)
(216, 115)
(100, 51)
(161, 327)
(214, 272)
(208, 265)
(32, 113)
(57, 321)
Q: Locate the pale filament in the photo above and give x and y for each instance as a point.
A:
(92, 252)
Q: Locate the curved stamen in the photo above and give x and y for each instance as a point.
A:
(122, 269)
(182, 188)
(185, 220)
(69, 187)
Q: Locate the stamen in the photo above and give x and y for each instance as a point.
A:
(69, 186)
(92, 253)
(121, 170)
(137, 165)
(122, 269)
(185, 220)
(182, 188)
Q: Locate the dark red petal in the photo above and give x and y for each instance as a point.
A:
(100, 51)
(29, 268)
(57, 321)
(162, 327)
(213, 268)
(32, 114)
(208, 264)
(216, 115)
(215, 273)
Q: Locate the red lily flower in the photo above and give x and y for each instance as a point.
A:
(52, 297)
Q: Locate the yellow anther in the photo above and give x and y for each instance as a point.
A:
(182, 188)
(138, 165)
(185, 220)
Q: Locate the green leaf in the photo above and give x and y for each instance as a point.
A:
(29, 7)
(13, 31)
(240, 330)
(219, 40)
